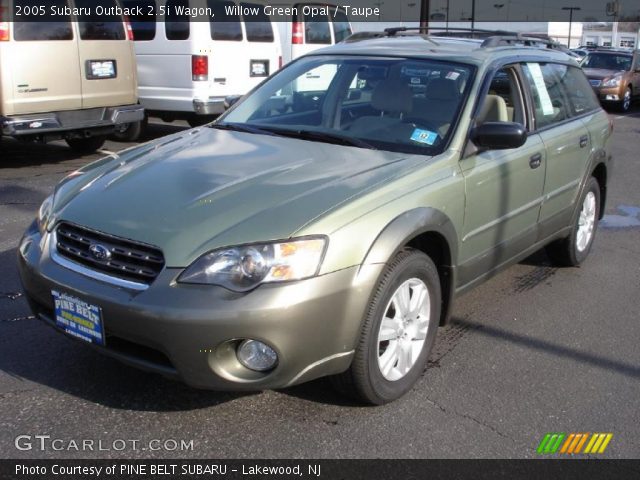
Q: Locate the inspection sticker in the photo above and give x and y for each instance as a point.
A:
(424, 136)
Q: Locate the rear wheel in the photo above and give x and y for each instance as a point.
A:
(398, 332)
(87, 145)
(129, 132)
(574, 249)
(199, 120)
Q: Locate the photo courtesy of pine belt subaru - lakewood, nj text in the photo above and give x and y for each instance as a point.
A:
(325, 231)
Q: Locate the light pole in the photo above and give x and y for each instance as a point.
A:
(571, 9)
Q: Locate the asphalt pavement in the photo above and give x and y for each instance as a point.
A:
(536, 349)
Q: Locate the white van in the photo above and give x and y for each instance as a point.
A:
(305, 33)
(187, 67)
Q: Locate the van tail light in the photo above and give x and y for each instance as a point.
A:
(4, 25)
(200, 68)
(127, 27)
(296, 34)
(280, 61)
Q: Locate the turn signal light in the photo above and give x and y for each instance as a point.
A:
(297, 34)
(200, 68)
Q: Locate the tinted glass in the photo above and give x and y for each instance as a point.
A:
(551, 104)
(576, 87)
(399, 104)
(100, 27)
(607, 61)
(39, 30)
(341, 27)
(259, 29)
(316, 30)
(230, 29)
(144, 26)
(177, 26)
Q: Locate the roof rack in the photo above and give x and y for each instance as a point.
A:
(518, 38)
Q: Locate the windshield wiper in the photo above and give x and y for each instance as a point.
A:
(318, 136)
(240, 127)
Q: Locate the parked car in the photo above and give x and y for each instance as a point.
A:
(580, 52)
(65, 77)
(306, 234)
(614, 75)
(187, 68)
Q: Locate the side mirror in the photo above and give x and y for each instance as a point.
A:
(499, 135)
(231, 100)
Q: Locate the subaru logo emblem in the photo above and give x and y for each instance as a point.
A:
(99, 252)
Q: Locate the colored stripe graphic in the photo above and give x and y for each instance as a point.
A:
(573, 442)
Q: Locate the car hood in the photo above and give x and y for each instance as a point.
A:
(203, 189)
(601, 73)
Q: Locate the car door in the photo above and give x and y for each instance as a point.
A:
(565, 137)
(43, 59)
(503, 187)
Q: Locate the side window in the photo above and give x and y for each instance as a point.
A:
(40, 30)
(549, 101)
(230, 29)
(316, 30)
(143, 25)
(177, 26)
(341, 26)
(577, 89)
(107, 26)
(503, 102)
(259, 27)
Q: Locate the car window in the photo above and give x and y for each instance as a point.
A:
(229, 29)
(54, 28)
(607, 61)
(316, 30)
(549, 100)
(105, 26)
(503, 102)
(143, 25)
(576, 87)
(394, 104)
(341, 26)
(259, 27)
(177, 26)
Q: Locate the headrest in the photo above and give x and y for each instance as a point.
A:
(494, 109)
(442, 89)
(392, 96)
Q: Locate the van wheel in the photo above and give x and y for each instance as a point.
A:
(86, 146)
(129, 132)
(199, 120)
(574, 249)
(398, 333)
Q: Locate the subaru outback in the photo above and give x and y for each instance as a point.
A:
(326, 232)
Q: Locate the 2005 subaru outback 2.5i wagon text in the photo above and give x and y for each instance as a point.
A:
(314, 233)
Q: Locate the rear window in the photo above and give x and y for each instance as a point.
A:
(144, 25)
(259, 29)
(316, 30)
(40, 30)
(177, 26)
(100, 27)
(341, 27)
(230, 29)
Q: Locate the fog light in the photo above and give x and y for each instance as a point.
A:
(257, 356)
(615, 98)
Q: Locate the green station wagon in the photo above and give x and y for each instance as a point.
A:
(325, 223)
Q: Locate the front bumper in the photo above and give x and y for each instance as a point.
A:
(87, 119)
(609, 94)
(190, 332)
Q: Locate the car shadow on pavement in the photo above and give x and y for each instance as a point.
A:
(18, 154)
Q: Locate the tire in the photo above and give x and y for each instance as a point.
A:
(86, 146)
(199, 120)
(129, 132)
(625, 104)
(574, 249)
(374, 378)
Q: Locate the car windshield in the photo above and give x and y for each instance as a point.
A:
(607, 61)
(394, 104)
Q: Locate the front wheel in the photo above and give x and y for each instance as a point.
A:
(398, 333)
(625, 103)
(574, 249)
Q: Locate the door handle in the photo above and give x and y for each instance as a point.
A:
(535, 161)
(584, 140)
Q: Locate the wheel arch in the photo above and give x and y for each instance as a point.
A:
(600, 173)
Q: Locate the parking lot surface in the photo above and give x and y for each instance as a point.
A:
(536, 349)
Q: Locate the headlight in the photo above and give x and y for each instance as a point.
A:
(44, 213)
(243, 268)
(612, 82)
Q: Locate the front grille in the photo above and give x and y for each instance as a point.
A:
(126, 259)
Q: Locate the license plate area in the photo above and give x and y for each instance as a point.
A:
(259, 68)
(101, 69)
(78, 318)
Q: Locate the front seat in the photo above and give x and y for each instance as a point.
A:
(439, 105)
(494, 109)
(394, 99)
